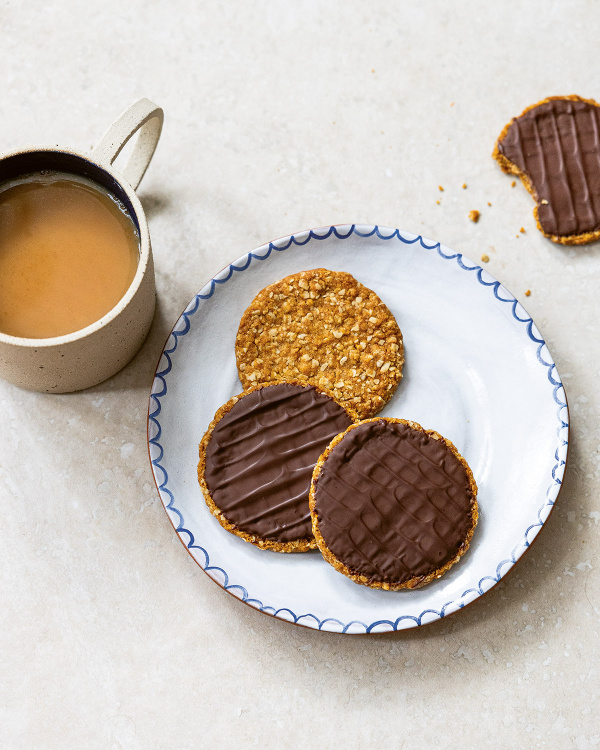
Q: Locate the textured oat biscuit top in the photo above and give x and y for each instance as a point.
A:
(326, 328)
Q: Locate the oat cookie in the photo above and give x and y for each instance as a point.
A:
(393, 505)
(326, 328)
(553, 146)
(257, 459)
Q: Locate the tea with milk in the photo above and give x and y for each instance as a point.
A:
(69, 251)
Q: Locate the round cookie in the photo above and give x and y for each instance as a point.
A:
(393, 505)
(553, 147)
(325, 328)
(257, 458)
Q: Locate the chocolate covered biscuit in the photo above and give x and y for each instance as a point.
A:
(554, 147)
(325, 328)
(257, 459)
(393, 505)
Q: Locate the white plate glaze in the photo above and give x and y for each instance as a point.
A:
(477, 371)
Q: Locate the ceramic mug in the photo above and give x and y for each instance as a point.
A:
(86, 357)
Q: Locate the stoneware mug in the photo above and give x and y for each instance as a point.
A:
(86, 357)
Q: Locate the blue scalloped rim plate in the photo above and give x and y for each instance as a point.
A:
(477, 370)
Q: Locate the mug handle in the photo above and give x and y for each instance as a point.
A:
(144, 116)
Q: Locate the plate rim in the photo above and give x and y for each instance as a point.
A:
(341, 232)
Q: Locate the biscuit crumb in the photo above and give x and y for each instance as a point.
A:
(489, 204)
(485, 258)
(464, 186)
(440, 188)
(438, 202)
(474, 216)
(528, 293)
(513, 183)
(522, 230)
(544, 202)
(451, 104)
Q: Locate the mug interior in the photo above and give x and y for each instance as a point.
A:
(24, 163)
(27, 162)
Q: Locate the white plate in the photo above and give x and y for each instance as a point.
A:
(477, 370)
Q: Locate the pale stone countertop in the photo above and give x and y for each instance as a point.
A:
(282, 116)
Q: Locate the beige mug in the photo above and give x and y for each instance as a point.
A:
(86, 357)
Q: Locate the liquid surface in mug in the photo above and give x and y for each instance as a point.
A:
(68, 253)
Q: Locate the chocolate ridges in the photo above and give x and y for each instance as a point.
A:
(393, 505)
(554, 146)
(259, 459)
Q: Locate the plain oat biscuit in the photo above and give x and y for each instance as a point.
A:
(325, 328)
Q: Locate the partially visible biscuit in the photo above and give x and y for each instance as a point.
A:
(257, 458)
(325, 328)
(554, 147)
(393, 505)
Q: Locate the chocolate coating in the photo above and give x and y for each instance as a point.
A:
(393, 503)
(261, 455)
(557, 145)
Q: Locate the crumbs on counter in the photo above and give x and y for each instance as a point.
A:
(464, 186)
(485, 258)
(438, 202)
(489, 204)
(513, 183)
(474, 216)
(522, 230)
(528, 293)
(440, 188)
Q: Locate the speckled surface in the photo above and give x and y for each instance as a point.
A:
(281, 117)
